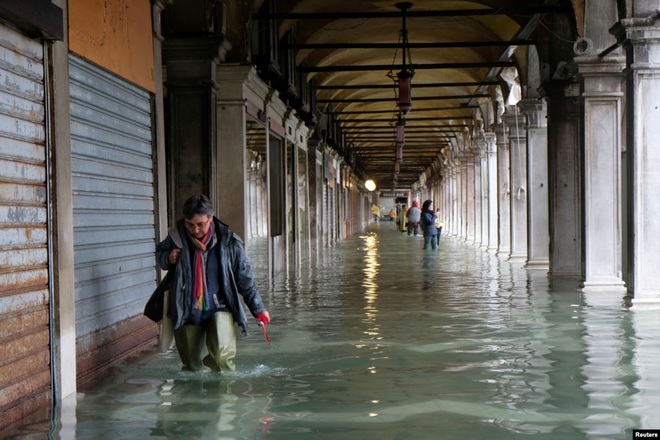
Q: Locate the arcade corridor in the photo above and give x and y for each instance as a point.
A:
(378, 339)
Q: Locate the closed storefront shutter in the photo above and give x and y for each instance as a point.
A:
(114, 212)
(25, 379)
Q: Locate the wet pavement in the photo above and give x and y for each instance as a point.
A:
(379, 339)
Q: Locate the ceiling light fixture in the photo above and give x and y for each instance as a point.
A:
(403, 79)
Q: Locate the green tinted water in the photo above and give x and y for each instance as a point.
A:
(381, 340)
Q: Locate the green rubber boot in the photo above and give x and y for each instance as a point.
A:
(221, 342)
(190, 345)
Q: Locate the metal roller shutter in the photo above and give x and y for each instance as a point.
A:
(25, 379)
(113, 198)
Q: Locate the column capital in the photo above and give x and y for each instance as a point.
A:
(192, 61)
(157, 7)
(641, 39)
(491, 142)
(536, 112)
(206, 48)
(481, 146)
(637, 28)
(515, 123)
(598, 66)
(601, 77)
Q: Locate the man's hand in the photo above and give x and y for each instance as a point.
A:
(174, 255)
(263, 318)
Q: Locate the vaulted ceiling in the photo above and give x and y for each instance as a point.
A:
(456, 48)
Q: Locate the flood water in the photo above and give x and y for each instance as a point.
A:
(381, 340)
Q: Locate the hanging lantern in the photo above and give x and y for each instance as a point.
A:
(404, 77)
(404, 101)
(400, 133)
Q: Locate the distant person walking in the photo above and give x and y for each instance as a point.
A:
(401, 219)
(438, 224)
(427, 223)
(413, 215)
(376, 212)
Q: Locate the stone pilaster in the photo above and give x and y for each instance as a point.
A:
(602, 97)
(538, 221)
(483, 157)
(453, 199)
(503, 191)
(477, 197)
(641, 42)
(461, 199)
(491, 164)
(240, 84)
(519, 193)
(468, 184)
(191, 64)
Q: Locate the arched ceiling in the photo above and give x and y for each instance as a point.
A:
(456, 48)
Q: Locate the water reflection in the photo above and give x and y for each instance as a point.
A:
(379, 340)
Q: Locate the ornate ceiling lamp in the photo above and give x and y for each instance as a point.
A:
(403, 79)
(400, 137)
(400, 134)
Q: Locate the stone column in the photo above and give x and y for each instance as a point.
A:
(64, 300)
(240, 84)
(461, 198)
(191, 64)
(477, 197)
(538, 220)
(157, 7)
(453, 199)
(602, 97)
(503, 191)
(491, 160)
(483, 156)
(641, 41)
(564, 177)
(314, 168)
(468, 179)
(518, 168)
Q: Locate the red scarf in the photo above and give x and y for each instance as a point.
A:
(199, 269)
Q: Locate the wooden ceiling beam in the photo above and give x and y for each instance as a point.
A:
(388, 67)
(410, 13)
(417, 110)
(411, 45)
(416, 98)
(415, 85)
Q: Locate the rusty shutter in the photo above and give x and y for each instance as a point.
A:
(113, 202)
(25, 380)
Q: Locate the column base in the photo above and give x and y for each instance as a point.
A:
(537, 264)
(613, 285)
(644, 303)
(517, 258)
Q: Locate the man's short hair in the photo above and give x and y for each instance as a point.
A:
(197, 204)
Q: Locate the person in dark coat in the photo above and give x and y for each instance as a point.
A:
(212, 278)
(427, 224)
(413, 214)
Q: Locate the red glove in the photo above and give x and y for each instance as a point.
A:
(263, 318)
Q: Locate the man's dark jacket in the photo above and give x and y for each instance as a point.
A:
(226, 255)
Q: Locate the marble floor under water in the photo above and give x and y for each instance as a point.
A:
(378, 339)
